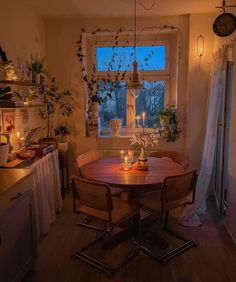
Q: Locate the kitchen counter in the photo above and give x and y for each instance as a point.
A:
(10, 177)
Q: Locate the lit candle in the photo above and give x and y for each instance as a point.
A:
(18, 140)
(126, 164)
(130, 156)
(143, 117)
(122, 155)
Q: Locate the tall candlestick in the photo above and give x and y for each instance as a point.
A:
(122, 156)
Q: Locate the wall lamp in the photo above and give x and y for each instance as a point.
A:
(200, 46)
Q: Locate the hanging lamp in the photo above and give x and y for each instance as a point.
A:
(135, 83)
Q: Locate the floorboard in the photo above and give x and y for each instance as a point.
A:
(213, 260)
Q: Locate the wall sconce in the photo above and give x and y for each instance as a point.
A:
(200, 46)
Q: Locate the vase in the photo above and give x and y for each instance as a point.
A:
(143, 155)
(115, 125)
(4, 151)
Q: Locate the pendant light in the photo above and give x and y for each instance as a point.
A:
(135, 83)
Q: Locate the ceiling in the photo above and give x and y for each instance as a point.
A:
(119, 8)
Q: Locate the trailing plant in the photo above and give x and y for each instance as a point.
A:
(61, 131)
(56, 101)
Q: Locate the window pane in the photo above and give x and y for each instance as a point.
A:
(114, 107)
(122, 57)
(150, 100)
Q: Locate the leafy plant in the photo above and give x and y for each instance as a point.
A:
(56, 101)
(173, 125)
(61, 131)
(36, 64)
(110, 82)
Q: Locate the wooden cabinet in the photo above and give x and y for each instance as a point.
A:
(17, 224)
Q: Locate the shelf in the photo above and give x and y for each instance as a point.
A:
(22, 107)
(20, 83)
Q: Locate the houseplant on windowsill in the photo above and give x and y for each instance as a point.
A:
(169, 123)
(62, 131)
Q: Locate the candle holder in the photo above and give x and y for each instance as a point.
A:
(126, 165)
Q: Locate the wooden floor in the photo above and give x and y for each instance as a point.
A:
(213, 260)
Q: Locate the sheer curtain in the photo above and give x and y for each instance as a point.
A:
(216, 94)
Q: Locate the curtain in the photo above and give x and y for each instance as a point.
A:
(47, 191)
(216, 94)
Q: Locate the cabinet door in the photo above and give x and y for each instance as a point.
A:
(17, 238)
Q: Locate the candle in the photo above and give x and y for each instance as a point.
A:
(143, 117)
(125, 163)
(121, 156)
(130, 156)
(18, 140)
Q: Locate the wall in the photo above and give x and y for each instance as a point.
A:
(21, 31)
(21, 34)
(198, 79)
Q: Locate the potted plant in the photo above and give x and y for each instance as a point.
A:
(57, 102)
(62, 131)
(36, 68)
(169, 123)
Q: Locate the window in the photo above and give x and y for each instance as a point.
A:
(157, 68)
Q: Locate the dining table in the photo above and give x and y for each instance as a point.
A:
(132, 181)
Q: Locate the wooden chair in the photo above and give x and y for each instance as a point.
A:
(94, 199)
(82, 160)
(176, 191)
(175, 156)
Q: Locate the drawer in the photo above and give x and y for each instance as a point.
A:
(8, 196)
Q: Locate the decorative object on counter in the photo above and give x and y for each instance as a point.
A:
(62, 131)
(58, 103)
(6, 66)
(142, 141)
(141, 165)
(169, 124)
(115, 125)
(4, 151)
(36, 68)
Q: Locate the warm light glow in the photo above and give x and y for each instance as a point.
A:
(18, 134)
(143, 117)
(200, 46)
(126, 160)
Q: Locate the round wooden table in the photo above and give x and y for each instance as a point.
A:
(109, 170)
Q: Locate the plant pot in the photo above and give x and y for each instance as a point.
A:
(115, 125)
(62, 146)
(4, 151)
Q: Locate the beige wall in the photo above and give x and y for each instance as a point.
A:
(21, 34)
(21, 31)
(198, 79)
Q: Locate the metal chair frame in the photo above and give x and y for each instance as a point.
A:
(181, 248)
(80, 254)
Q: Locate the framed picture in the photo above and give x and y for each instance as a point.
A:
(8, 121)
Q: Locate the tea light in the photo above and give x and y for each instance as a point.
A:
(125, 163)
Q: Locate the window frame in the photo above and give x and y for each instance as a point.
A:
(169, 74)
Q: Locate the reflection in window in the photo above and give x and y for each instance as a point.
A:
(115, 107)
(150, 100)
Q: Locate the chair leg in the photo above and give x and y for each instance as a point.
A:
(84, 223)
(173, 253)
(98, 264)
